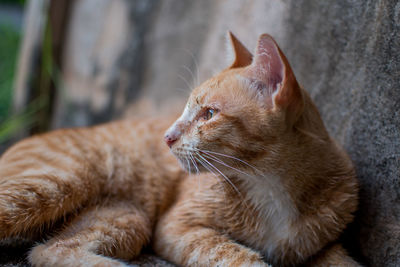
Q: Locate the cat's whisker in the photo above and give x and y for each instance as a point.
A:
(194, 163)
(226, 179)
(231, 157)
(187, 155)
(196, 66)
(208, 168)
(221, 173)
(186, 82)
(196, 151)
(197, 169)
(194, 81)
(211, 157)
(188, 163)
(220, 180)
(209, 154)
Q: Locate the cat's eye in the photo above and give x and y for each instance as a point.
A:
(209, 114)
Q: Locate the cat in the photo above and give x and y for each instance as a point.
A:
(270, 185)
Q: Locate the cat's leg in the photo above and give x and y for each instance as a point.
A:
(43, 179)
(190, 244)
(332, 255)
(118, 230)
(29, 205)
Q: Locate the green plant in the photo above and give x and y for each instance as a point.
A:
(24, 120)
(9, 44)
(36, 116)
(17, 2)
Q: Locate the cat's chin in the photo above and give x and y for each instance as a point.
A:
(191, 166)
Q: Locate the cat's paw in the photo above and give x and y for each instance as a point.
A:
(238, 262)
(255, 264)
(260, 264)
(60, 255)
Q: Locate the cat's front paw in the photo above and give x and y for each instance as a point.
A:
(254, 264)
(260, 264)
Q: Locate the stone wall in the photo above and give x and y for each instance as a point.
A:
(345, 53)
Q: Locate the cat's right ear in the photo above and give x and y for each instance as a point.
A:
(238, 55)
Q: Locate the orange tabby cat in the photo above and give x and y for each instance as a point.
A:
(274, 187)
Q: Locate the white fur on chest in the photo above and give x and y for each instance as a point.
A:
(274, 214)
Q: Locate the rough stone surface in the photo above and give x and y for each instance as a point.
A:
(14, 254)
(348, 56)
(345, 53)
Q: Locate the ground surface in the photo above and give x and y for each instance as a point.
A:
(15, 256)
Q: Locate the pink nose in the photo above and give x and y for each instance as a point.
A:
(170, 139)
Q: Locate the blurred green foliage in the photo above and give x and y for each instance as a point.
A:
(18, 2)
(9, 45)
(35, 116)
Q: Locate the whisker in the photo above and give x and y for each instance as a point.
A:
(205, 166)
(197, 169)
(208, 168)
(211, 157)
(226, 179)
(191, 74)
(208, 154)
(194, 162)
(187, 83)
(188, 163)
(220, 180)
(196, 65)
(231, 157)
(223, 175)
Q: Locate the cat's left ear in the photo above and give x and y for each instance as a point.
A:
(275, 79)
(238, 55)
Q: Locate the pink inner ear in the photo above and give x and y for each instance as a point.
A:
(267, 66)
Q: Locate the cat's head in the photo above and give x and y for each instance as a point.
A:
(241, 114)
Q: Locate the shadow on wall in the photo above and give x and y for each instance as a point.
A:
(346, 54)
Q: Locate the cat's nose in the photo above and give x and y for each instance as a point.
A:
(173, 133)
(170, 139)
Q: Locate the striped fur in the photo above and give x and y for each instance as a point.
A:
(88, 178)
(268, 184)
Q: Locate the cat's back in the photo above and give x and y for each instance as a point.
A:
(132, 137)
(126, 158)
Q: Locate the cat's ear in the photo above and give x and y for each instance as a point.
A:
(238, 55)
(274, 77)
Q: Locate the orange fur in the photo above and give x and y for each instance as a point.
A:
(272, 186)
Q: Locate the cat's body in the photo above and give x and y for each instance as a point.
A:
(75, 171)
(281, 190)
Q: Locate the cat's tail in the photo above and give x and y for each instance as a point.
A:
(332, 255)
